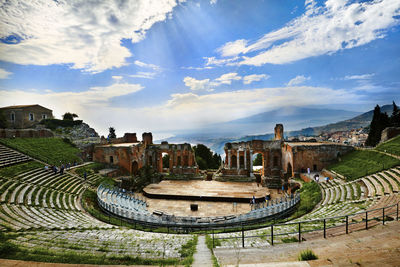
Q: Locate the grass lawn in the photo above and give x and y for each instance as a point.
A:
(359, 163)
(392, 147)
(50, 150)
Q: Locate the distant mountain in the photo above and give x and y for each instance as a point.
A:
(360, 121)
(291, 118)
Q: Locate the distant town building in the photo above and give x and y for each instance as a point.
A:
(25, 116)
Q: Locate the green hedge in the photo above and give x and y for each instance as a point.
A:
(54, 123)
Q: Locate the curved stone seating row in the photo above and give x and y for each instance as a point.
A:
(10, 157)
(112, 242)
(17, 217)
(338, 191)
(123, 205)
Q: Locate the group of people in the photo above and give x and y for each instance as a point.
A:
(253, 199)
(60, 169)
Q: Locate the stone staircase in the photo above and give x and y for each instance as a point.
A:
(9, 157)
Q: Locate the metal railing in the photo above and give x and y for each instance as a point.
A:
(120, 204)
(325, 226)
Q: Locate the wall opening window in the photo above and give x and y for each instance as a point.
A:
(31, 118)
(111, 159)
(13, 116)
(44, 116)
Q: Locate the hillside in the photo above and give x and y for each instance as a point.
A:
(50, 150)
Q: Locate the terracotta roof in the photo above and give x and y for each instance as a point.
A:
(25, 106)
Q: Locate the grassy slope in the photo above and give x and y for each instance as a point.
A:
(392, 147)
(50, 150)
(14, 170)
(359, 163)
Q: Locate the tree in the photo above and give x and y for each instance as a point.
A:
(258, 160)
(205, 158)
(395, 118)
(379, 122)
(112, 133)
(3, 120)
(69, 116)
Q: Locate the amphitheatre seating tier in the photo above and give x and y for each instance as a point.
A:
(10, 157)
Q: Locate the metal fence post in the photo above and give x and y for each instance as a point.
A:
(272, 234)
(383, 215)
(347, 224)
(242, 237)
(366, 220)
(324, 228)
(299, 232)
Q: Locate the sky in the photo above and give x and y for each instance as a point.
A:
(168, 66)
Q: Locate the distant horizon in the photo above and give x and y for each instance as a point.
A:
(178, 66)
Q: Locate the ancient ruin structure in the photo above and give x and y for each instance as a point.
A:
(280, 159)
(131, 155)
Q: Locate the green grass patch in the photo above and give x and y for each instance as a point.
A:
(307, 255)
(209, 243)
(310, 195)
(290, 239)
(14, 170)
(391, 147)
(360, 163)
(50, 150)
(90, 168)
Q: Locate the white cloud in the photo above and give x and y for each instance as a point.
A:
(359, 77)
(232, 49)
(226, 78)
(144, 75)
(325, 29)
(85, 34)
(213, 2)
(181, 111)
(117, 77)
(4, 74)
(146, 65)
(299, 79)
(196, 85)
(219, 62)
(254, 78)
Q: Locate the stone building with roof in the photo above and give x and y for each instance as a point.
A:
(25, 116)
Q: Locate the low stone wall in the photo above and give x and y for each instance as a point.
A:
(25, 133)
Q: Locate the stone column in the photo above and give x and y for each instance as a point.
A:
(229, 159)
(245, 163)
(237, 159)
(251, 161)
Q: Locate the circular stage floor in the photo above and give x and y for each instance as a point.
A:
(217, 198)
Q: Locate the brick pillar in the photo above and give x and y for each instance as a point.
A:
(237, 159)
(229, 159)
(171, 161)
(245, 158)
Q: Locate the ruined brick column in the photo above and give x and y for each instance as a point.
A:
(245, 163)
(237, 159)
(251, 162)
(229, 159)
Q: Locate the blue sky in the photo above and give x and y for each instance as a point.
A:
(168, 66)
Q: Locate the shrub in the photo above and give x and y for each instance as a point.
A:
(307, 255)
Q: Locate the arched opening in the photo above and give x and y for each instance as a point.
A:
(165, 161)
(185, 161)
(257, 162)
(234, 161)
(178, 163)
(111, 159)
(289, 170)
(275, 161)
(134, 168)
(241, 162)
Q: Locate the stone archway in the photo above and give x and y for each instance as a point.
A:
(234, 161)
(289, 170)
(134, 168)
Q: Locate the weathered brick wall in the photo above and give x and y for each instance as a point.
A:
(25, 133)
(21, 116)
